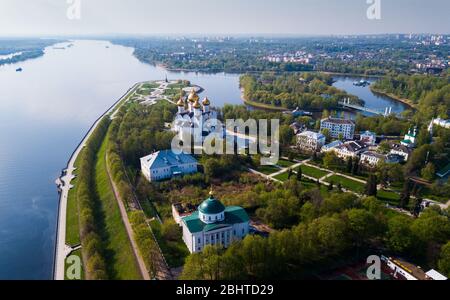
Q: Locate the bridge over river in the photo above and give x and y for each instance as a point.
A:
(346, 104)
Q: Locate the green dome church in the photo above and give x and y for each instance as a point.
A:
(214, 224)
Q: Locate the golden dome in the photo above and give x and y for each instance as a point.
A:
(180, 102)
(206, 102)
(193, 96)
(197, 104)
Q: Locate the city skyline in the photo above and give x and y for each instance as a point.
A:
(217, 17)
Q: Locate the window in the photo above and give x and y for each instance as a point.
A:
(199, 241)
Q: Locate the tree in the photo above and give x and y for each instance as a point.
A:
(286, 135)
(363, 225)
(371, 186)
(355, 168)
(349, 165)
(444, 261)
(299, 174)
(399, 236)
(405, 195)
(417, 207)
(428, 173)
(289, 173)
(330, 160)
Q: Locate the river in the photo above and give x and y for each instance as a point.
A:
(44, 113)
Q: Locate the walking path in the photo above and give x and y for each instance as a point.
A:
(123, 212)
(61, 250)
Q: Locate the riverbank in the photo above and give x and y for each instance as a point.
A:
(61, 249)
(258, 105)
(405, 101)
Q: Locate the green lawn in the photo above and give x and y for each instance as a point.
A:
(313, 172)
(284, 176)
(119, 254)
(72, 220)
(388, 196)
(76, 253)
(267, 169)
(347, 183)
(150, 85)
(285, 163)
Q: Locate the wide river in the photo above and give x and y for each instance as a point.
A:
(44, 113)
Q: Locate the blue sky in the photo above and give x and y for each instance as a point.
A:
(206, 17)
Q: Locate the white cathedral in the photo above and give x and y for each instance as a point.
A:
(194, 120)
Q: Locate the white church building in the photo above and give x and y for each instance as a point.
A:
(214, 224)
(194, 120)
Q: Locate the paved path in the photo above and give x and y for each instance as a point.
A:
(61, 249)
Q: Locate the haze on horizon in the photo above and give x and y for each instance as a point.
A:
(233, 17)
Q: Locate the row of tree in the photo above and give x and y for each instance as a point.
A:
(88, 209)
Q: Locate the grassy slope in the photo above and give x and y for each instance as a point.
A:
(120, 257)
(72, 222)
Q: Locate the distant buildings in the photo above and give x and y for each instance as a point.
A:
(310, 141)
(442, 123)
(214, 224)
(338, 127)
(165, 164)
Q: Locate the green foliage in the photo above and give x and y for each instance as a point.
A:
(289, 92)
(444, 261)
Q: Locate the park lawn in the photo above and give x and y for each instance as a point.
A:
(75, 253)
(427, 194)
(285, 163)
(313, 172)
(72, 219)
(175, 252)
(119, 254)
(150, 85)
(283, 177)
(389, 197)
(267, 169)
(347, 183)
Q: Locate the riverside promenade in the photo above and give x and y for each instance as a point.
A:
(64, 184)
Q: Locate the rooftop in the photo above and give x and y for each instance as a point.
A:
(211, 206)
(312, 135)
(233, 215)
(167, 158)
(338, 121)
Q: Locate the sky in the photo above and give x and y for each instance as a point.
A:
(209, 17)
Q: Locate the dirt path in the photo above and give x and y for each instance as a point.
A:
(126, 221)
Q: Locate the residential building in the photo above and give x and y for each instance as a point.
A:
(401, 150)
(372, 159)
(331, 146)
(214, 224)
(310, 141)
(165, 164)
(350, 149)
(338, 127)
(369, 138)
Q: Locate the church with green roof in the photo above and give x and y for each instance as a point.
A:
(214, 224)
